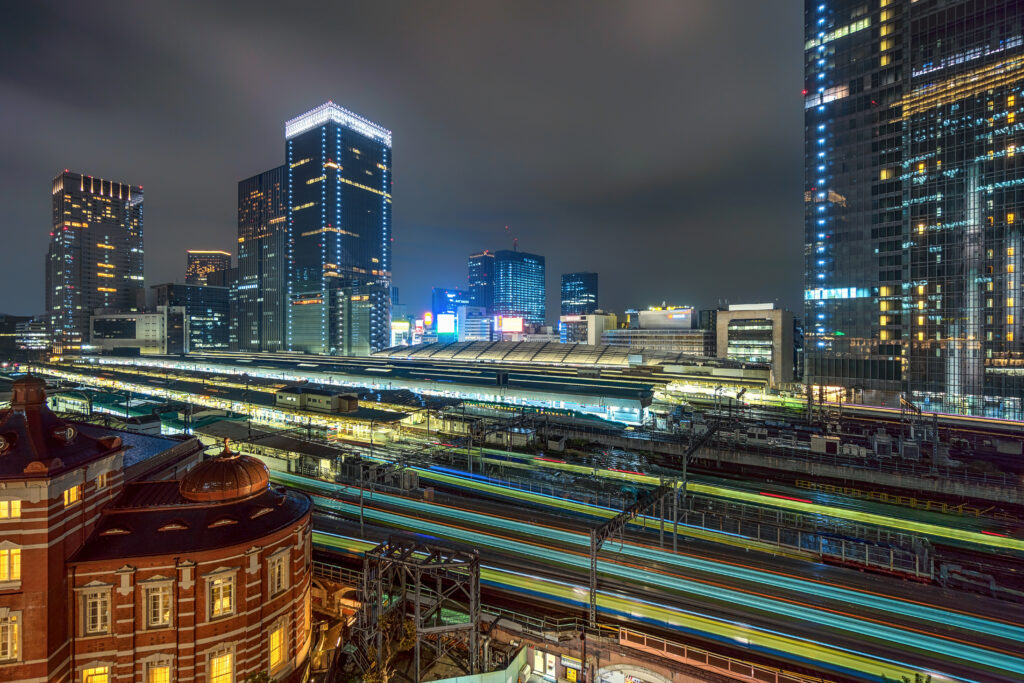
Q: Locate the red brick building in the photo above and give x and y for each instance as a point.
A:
(205, 578)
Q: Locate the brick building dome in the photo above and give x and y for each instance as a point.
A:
(229, 476)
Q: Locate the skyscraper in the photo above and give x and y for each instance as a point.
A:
(262, 261)
(912, 245)
(481, 283)
(95, 256)
(579, 293)
(207, 312)
(339, 230)
(518, 286)
(444, 300)
(201, 262)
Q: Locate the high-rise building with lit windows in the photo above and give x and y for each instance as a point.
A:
(481, 279)
(259, 319)
(201, 262)
(913, 193)
(338, 198)
(579, 293)
(519, 286)
(95, 256)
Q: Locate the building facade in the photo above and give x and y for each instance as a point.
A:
(481, 280)
(200, 263)
(202, 579)
(474, 323)
(10, 326)
(157, 332)
(338, 197)
(33, 336)
(262, 261)
(579, 293)
(55, 478)
(911, 176)
(207, 313)
(95, 257)
(444, 300)
(698, 343)
(585, 329)
(758, 333)
(519, 286)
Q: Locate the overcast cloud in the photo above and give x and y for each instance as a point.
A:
(658, 143)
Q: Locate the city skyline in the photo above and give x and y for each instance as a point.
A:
(451, 200)
(508, 345)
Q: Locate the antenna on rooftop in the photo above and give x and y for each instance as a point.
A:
(515, 240)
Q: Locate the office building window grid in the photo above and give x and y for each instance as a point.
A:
(912, 198)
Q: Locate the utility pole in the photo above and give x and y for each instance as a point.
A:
(361, 498)
(608, 530)
(248, 407)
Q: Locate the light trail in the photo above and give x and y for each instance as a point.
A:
(961, 650)
(843, 660)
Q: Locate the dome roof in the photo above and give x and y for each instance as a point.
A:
(229, 476)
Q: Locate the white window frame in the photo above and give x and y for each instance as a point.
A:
(92, 666)
(222, 574)
(102, 597)
(11, 630)
(160, 659)
(150, 590)
(279, 562)
(228, 649)
(282, 625)
(150, 666)
(11, 569)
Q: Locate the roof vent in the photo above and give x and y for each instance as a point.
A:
(7, 441)
(64, 433)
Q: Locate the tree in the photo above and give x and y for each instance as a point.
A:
(399, 636)
(260, 677)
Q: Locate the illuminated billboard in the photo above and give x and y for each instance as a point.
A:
(508, 324)
(446, 323)
(428, 319)
(671, 318)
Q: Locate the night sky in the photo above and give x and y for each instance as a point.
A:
(657, 143)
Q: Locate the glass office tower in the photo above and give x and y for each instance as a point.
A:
(95, 256)
(579, 293)
(912, 180)
(262, 261)
(481, 282)
(207, 310)
(339, 230)
(518, 286)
